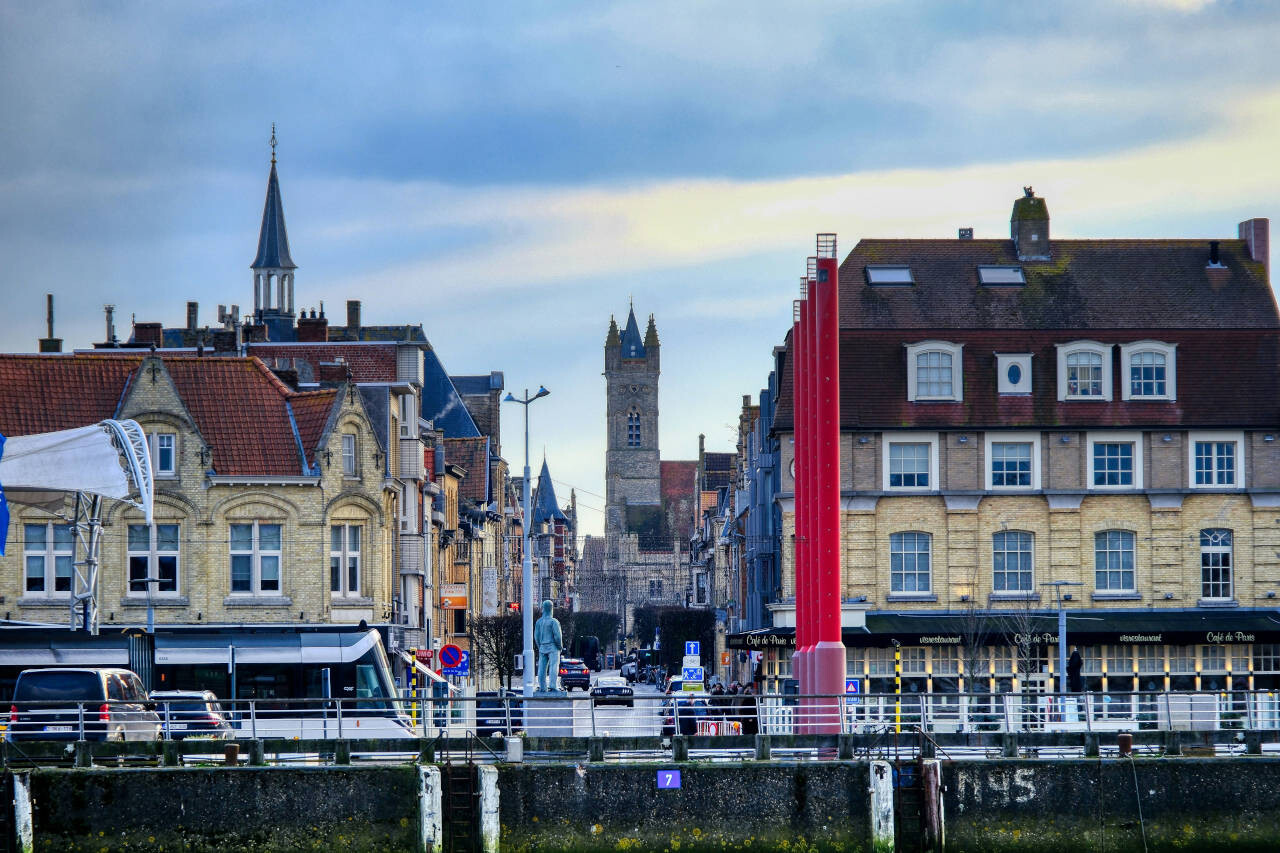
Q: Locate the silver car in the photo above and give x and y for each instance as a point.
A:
(91, 703)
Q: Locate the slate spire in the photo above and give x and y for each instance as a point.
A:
(273, 267)
(545, 507)
(632, 343)
(273, 239)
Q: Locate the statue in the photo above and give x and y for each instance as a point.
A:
(549, 640)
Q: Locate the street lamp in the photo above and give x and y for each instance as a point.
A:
(1062, 631)
(526, 574)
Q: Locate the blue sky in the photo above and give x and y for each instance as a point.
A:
(509, 174)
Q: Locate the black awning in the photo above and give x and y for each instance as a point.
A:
(1084, 627)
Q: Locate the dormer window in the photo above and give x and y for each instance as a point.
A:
(934, 371)
(993, 276)
(889, 276)
(1150, 371)
(1084, 371)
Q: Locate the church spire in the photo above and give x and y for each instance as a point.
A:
(612, 339)
(632, 345)
(273, 266)
(651, 334)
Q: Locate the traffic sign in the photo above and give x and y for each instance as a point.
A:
(692, 660)
(693, 673)
(463, 667)
(851, 689)
(692, 647)
(450, 656)
(724, 658)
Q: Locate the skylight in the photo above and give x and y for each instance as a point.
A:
(889, 275)
(1001, 276)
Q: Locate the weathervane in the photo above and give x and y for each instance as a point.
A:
(273, 142)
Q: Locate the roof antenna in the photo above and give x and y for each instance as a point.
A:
(273, 143)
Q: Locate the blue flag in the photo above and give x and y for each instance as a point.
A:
(4, 508)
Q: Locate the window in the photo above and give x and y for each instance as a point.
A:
(633, 428)
(1113, 561)
(1215, 459)
(348, 455)
(153, 553)
(344, 559)
(910, 460)
(933, 371)
(255, 558)
(1150, 371)
(889, 276)
(48, 551)
(1115, 460)
(1215, 564)
(1013, 373)
(1011, 562)
(459, 621)
(655, 588)
(909, 562)
(164, 446)
(700, 595)
(993, 276)
(1013, 461)
(1084, 371)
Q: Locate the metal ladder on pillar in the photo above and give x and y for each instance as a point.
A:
(461, 802)
(908, 804)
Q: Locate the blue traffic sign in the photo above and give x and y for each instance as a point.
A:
(463, 666)
(693, 673)
(450, 655)
(692, 647)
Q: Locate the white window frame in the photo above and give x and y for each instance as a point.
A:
(255, 554)
(345, 554)
(928, 557)
(1216, 436)
(1133, 555)
(1006, 360)
(1229, 550)
(349, 460)
(889, 439)
(992, 438)
(153, 555)
(1095, 347)
(1134, 438)
(48, 555)
(956, 351)
(154, 441)
(1169, 351)
(1013, 593)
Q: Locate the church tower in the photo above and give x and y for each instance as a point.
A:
(273, 267)
(632, 467)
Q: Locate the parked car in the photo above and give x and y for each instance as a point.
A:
(191, 713)
(47, 705)
(683, 711)
(574, 673)
(613, 688)
(498, 712)
(630, 670)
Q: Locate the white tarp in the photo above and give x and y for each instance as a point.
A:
(73, 460)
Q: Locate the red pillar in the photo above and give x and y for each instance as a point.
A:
(828, 656)
(800, 398)
(804, 597)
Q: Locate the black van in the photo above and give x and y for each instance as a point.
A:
(92, 703)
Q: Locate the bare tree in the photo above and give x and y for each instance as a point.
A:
(496, 640)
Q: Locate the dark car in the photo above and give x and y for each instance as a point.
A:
(574, 673)
(683, 710)
(53, 704)
(613, 688)
(191, 713)
(498, 712)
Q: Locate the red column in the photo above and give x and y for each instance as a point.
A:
(800, 409)
(805, 598)
(828, 656)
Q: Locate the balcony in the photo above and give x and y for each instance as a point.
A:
(410, 459)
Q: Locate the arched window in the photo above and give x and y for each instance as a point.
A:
(934, 371)
(1113, 561)
(1084, 371)
(1151, 371)
(633, 428)
(1215, 564)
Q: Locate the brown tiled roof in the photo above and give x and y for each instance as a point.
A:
(367, 361)
(472, 454)
(678, 478)
(717, 469)
(47, 393)
(1087, 284)
(311, 411)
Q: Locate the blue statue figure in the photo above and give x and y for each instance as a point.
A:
(549, 641)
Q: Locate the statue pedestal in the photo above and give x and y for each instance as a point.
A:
(549, 714)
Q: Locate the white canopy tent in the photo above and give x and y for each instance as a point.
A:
(107, 460)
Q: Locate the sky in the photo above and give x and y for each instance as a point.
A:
(510, 174)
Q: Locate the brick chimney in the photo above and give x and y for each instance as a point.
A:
(353, 318)
(1256, 233)
(1029, 227)
(334, 372)
(313, 329)
(148, 334)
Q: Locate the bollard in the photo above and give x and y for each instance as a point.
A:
(1124, 742)
(342, 752)
(679, 748)
(172, 754)
(1172, 743)
(84, 754)
(595, 749)
(844, 747)
(257, 754)
(764, 748)
(1009, 745)
(1092, 745)
(1253, 742)
(231, 755)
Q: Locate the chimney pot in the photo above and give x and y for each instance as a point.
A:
(1214, 259)
(353, 316)
(193, 315)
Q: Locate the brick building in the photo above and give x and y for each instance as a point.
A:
(1022, 414)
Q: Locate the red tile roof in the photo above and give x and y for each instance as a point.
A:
(311, 411)
(368, 362)
(47, 393)
(473, 455)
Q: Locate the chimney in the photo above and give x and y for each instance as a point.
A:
(148, 334)
(353, 318)
(1256, 233)
(193, 314)
(333, 373)
(50, 344)
(1215, 259)
(312, 329)
(111, 324)
(1029, 227)
(966, 233)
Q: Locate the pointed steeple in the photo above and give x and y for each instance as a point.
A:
(612, 339)
(273, 266)
(632, 345)
(545, 506)
(273, 239)
(651, 334)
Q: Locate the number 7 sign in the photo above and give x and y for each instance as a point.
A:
(668, 779)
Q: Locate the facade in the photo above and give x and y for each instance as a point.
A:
(1030, 423)
(648, 501)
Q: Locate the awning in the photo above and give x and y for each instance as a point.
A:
(424, 670)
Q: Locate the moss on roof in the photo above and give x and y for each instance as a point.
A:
(1030, 208)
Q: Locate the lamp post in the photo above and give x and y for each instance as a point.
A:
(1062, 631)
(526, 574)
